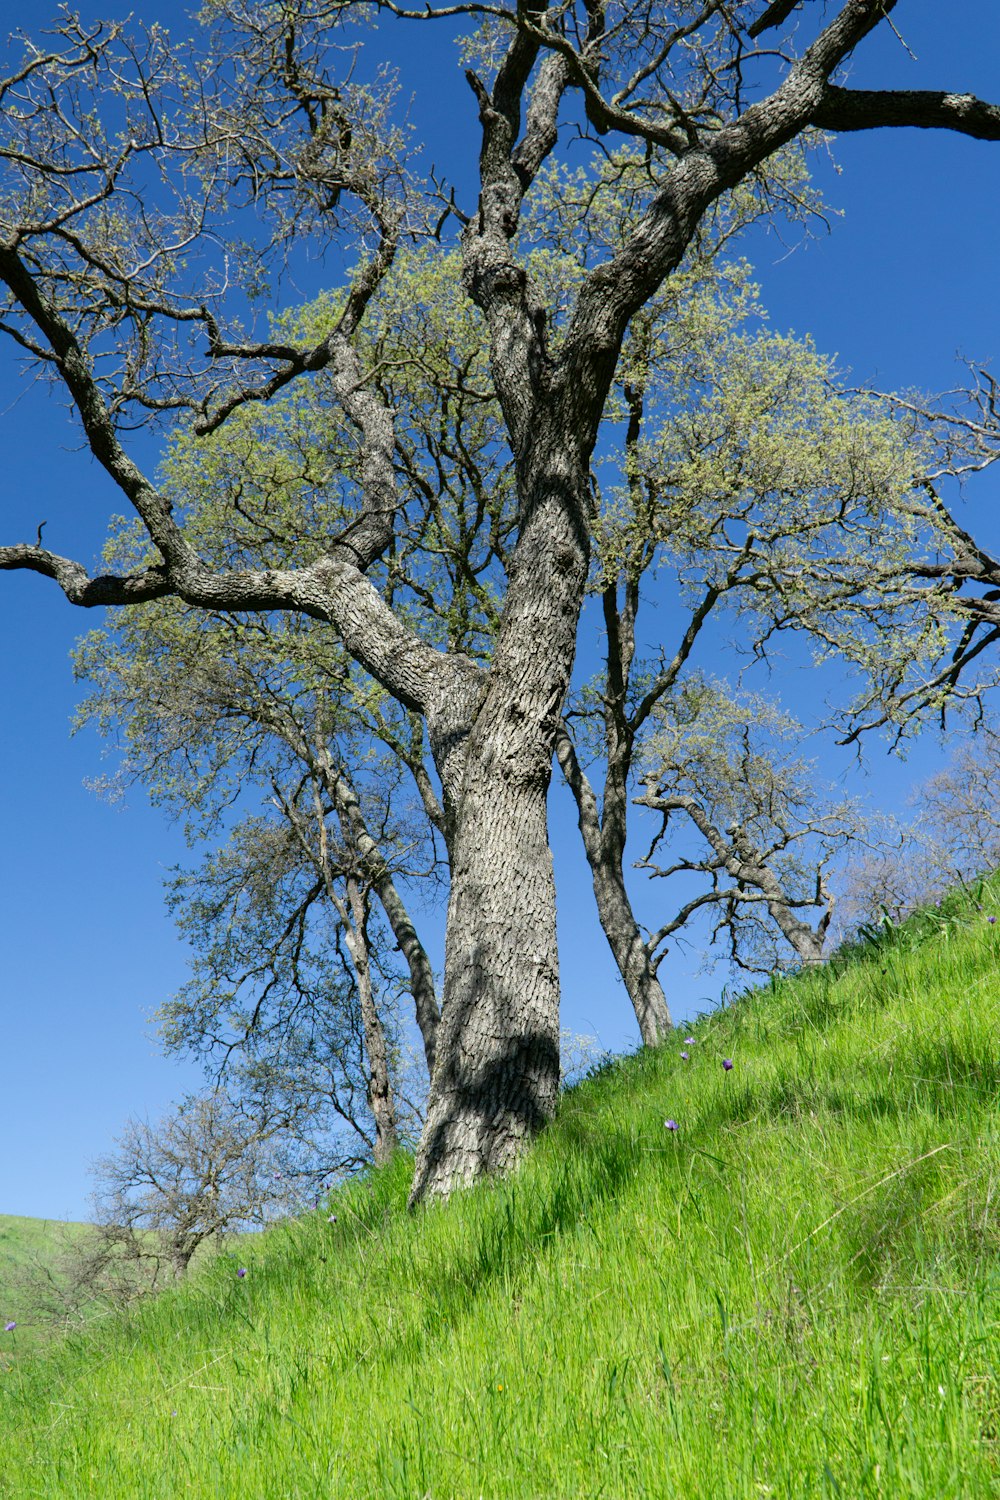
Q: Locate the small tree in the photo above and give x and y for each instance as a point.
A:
(741, 812)
(207, 1170)
(773, 499)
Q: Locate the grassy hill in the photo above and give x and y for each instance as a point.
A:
(25, 1242)
(796, 1293)
(30, 1250)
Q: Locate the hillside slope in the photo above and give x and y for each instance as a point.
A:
(794, 1293)
(31, 1251)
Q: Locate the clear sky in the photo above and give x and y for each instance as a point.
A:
(906, 279)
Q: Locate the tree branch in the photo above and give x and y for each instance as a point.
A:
(79, 588)
(926, 109)
(614, 291)
(74, 367)
(776, 12)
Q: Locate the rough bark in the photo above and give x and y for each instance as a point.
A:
(496, 1080)
(497, 1076)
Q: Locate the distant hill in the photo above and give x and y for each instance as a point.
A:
(793, 1293)
(21, 1237)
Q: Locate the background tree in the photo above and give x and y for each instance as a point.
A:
(951, 837)
(289, 1001)
(726, 766)
(126, 167)
(208, 710)
(206, 1170)
(958, 809)
(774, 500)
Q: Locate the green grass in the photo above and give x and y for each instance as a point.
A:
(795, 1295)
(30, 1250)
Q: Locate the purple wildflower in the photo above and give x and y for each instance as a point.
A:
(242, 1271)
(332, 1219)
(9, 1327)
(727, 1063)
(689, 1041)
(991, 919)
(670, 1125)
(685, 1056)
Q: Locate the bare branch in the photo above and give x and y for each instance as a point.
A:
(925, 109)
(75, 583)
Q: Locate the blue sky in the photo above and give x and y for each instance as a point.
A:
(905, 281)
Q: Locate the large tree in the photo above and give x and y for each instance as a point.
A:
(743, 467)
(142, 196)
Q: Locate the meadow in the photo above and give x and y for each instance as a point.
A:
(793, 1293)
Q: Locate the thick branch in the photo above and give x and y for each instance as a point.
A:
(419, 677)
(614, 291)
(79, 588)
(776, 13)
(926, 109)
(74, 367)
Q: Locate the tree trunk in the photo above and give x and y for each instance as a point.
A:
(806, 941)
(353, 915)
(746, 864)
(630, 953)
(377, 872)
(381, 1099)
(604, 852)
(417, 962)
(497, 1076)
